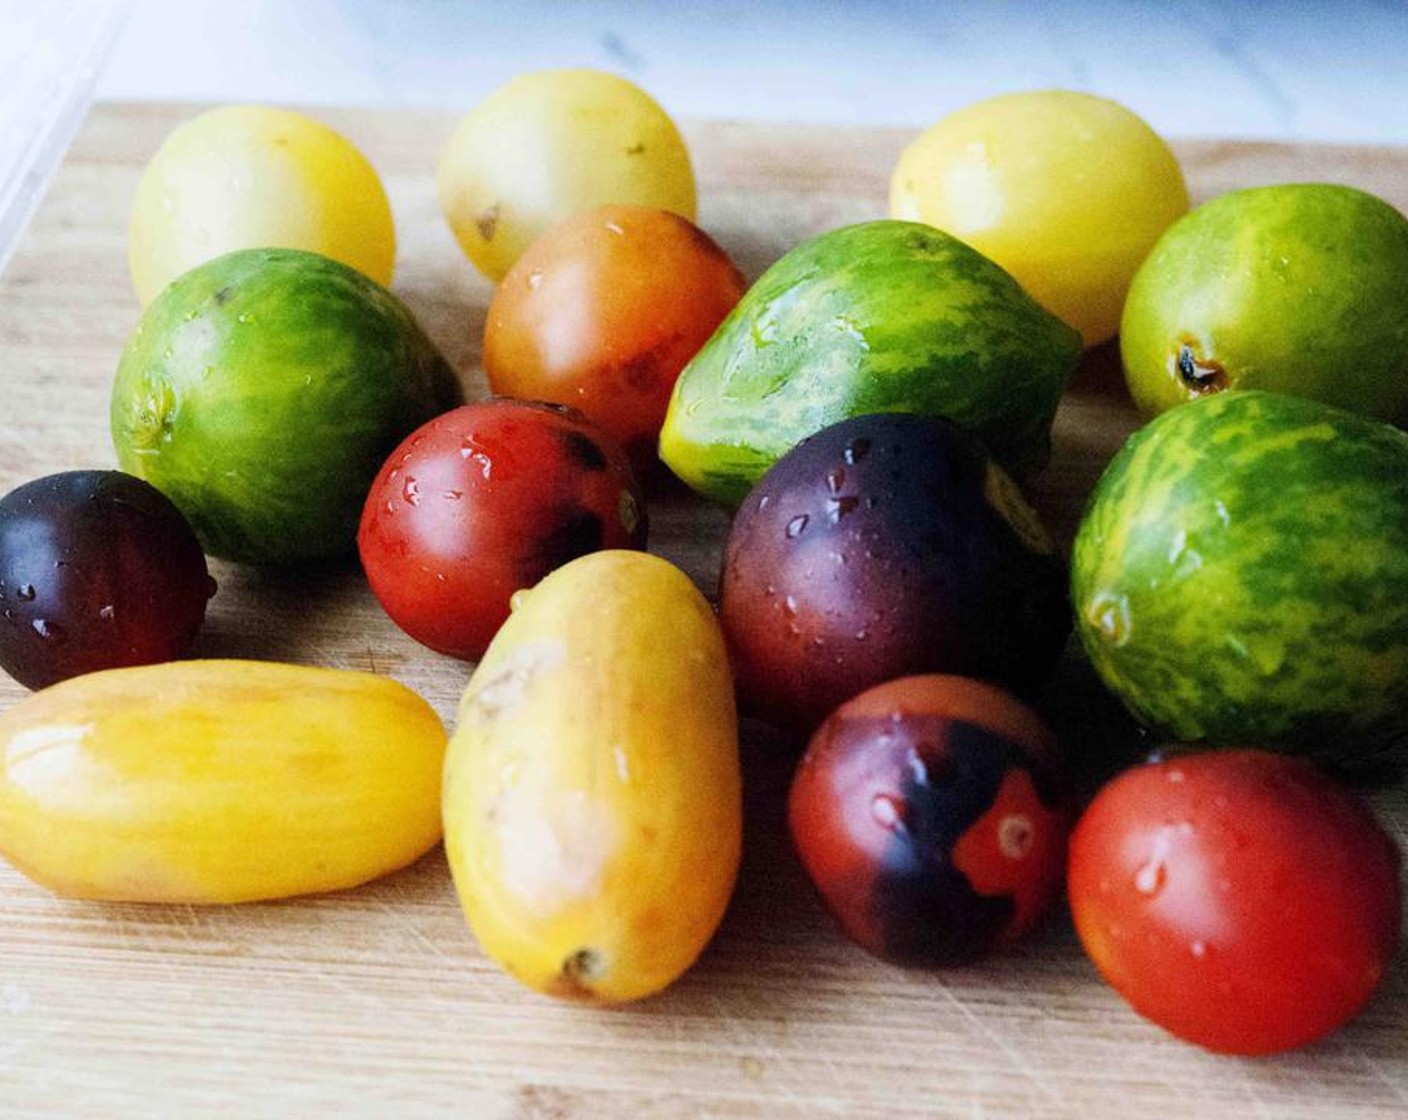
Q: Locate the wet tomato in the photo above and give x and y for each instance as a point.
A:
(928, 813)
(880, 547)
(485, 500)
(1239, 899)
(603, 311)
(98, 570)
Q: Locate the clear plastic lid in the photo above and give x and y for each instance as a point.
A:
(51, 55)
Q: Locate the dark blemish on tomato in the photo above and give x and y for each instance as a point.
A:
(923, 906)
(642, 370)
(1200, 375)
(578, 532)
(488, 222)
(636, 150)
(223, 295)
(583, 450)
(579, 971)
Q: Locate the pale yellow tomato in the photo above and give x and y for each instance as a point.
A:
(252, 177)
(549, 144)
(1066, 191)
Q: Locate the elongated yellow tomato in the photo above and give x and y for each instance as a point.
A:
(253, 177)
(218, 781)
(592, 794)
(1066, 191)
(549, 144)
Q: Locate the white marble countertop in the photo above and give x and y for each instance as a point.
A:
(1311, 69)
(1314, 70)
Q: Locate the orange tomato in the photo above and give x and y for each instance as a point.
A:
(603, 312)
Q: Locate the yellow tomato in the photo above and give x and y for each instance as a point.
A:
(1066, 191)
(218, 781)
(593, 817)
(249, 177)
(549, 144)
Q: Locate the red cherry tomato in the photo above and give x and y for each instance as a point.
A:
(603, 311)
(927, 812)
(1240, 900)
(483, 501)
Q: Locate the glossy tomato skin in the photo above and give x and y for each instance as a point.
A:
(603, 311)
(98, 570)
(883, 546)
(1241, 900)
(929, 813)
(483, 501)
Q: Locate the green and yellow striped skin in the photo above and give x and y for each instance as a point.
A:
(1241, 574)
(885, 316)
(261, 393)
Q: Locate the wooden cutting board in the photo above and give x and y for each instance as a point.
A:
(376, 1001)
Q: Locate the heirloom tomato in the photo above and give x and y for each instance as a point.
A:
(550, 143)
(483, 501)
(1239, 899)
(929, 813)
(603, 311)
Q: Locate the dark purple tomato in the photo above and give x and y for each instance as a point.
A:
(883, 546)
(98, 570)
(483, 501)
(927, 812)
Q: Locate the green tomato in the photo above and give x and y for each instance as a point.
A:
(550, 144)
(1296, 288)
(262, 391)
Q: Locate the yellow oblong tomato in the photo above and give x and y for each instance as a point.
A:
(217, 782)
(256, 177)
(593, 817)
(1066, 191)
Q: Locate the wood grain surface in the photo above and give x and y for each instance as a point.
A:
(376, 1002)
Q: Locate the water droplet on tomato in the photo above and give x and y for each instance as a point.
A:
(410, 491)
(1199, 949)
(835, 479)
(790, 604)
(1150, 878)
(885, 812)
(453, 495)
(797, 526)
(1015, 836)
(49, 631)
(837, 508)
(473, 450)
(25, 593)
(856, 450)
(107, 613)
